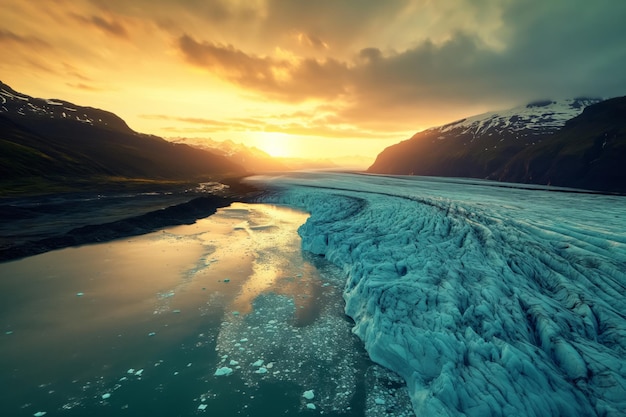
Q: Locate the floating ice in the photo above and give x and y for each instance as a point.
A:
(225, 370)
(80, 294)
(139, 372)
(295, 354)
(309, 395)
(202, 406)
(311, 406)
(488, 301)
(233, 363)
(40, 413)
(106, 396)
(258, 363)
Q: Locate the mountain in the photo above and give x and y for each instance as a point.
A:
(58, 140)
(254, 159)
(588, 152)
(497, 145)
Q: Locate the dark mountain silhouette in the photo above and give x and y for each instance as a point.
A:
(588, 152)
(573, 143)
(60, 141)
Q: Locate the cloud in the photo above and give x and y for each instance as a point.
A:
(299, 123)
(7, 36)
(84, 87)
(312, 41)
(207, 125)
(380, 66)
(540, 49)
(280, 78)
(110, 27)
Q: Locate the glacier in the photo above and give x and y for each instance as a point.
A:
(488, 299)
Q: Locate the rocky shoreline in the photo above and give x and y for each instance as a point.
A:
(35, 225)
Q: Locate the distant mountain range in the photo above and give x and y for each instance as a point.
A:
(255, 160)
(573, 143)
(59, 141)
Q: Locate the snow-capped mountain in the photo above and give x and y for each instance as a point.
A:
(254, 159)
(524, 122)
(44, 140)
(486, 145)
(16, 106)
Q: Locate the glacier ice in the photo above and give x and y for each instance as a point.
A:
(487, 300)
(224, 370)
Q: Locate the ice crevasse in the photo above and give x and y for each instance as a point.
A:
(487, 301)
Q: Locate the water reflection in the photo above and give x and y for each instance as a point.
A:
(75, 321)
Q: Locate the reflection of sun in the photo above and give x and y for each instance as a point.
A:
(275, 144)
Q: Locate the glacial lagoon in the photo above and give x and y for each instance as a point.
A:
(226, 316)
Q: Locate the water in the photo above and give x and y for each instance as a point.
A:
(140, 326)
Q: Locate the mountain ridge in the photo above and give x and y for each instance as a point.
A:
(50, 140)
(483, 146)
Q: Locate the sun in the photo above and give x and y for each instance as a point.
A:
(275, 144)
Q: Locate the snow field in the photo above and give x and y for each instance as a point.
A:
(487, 301)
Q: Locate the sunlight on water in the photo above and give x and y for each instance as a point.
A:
(141, 325)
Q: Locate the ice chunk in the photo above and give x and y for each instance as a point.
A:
(80, 294)
(261, 370)
(225, 370)
(139, 372)
(233, 362)
(106, 396)
(309, 394)
(258, 363)
(40, 413)
(311, 406)
(202, 406)
(379, 401)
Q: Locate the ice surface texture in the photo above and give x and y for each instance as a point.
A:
(488, 301)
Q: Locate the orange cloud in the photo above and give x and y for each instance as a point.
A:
(110, 27)
(6, 36)
(285, 79)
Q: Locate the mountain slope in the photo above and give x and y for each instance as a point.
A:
(497, 145)
(588, 152)
(54, 138)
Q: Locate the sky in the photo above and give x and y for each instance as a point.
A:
(311, 78)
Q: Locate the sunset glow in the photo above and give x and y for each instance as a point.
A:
(301, 78)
